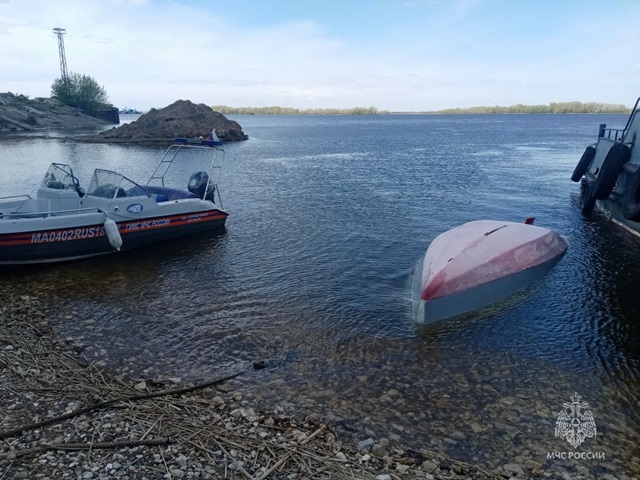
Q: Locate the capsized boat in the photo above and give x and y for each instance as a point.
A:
(63, 222)
(479, 263)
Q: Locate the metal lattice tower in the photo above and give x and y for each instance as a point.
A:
(63, 59)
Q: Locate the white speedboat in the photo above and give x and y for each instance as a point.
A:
(479, 263)
(63, 222)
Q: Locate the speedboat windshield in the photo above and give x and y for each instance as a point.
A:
(108, 184)
(60, 177)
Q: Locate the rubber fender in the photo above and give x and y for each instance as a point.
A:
(584, 163)
(588, 198)
(113, 234)
(618, 155)
(631, 199)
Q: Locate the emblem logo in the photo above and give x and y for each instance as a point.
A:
(575, 422)
(134, 208)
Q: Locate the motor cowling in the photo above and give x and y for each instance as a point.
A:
(198, 184)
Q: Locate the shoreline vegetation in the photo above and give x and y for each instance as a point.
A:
(552, 108)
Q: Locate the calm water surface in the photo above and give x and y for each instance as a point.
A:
(328, 218)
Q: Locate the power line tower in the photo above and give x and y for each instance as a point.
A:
(63, 59)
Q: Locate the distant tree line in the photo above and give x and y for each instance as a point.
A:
(561, 107)
(296, 111)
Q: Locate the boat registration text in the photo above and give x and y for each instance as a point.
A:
(65, 235)
(125, 227)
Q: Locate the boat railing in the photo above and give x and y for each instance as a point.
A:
(47, 214)
(614, 134)
(172, 152)
(618, 134)
(633, 112)
(16, 197)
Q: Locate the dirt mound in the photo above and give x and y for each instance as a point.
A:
(181, 119)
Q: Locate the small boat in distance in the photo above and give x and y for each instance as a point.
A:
(63, 222)
(129, 111)
(479, 263)
(610, 174)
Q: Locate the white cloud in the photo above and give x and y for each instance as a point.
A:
(150, 54)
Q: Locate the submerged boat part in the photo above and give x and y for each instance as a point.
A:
(479, 263)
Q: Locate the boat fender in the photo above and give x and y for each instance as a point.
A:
(584, 163)
(631, 199)
(588, 198)
(618, 155)
(113, 234)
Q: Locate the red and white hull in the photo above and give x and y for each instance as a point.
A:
(479, 263)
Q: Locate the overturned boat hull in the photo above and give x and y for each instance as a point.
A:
(480, 263)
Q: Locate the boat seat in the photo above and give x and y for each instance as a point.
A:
(108, 191)
(32, 205)
(164, 194)
(56, 184)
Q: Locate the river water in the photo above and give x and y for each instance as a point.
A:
(328, 219)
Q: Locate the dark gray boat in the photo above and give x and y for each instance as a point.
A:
(610, 174)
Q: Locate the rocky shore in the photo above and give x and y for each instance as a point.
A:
(183, 118)
(18, 113)
(64, 417)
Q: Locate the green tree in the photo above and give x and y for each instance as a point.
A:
(80, 91)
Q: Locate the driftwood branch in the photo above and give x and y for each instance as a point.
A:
(88, 446)
(100, 405)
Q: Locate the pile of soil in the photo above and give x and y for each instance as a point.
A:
(181, 119)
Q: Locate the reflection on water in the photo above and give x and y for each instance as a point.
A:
(328, 218)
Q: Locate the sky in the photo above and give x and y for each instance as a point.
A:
(396, 55)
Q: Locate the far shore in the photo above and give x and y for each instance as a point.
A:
(552, 108)
(433, 113)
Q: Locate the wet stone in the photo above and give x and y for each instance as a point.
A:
(365, 444)
(513, 468)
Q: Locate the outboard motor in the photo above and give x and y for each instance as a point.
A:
(198, 184)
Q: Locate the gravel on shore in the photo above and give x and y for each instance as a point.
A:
(63, 417)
